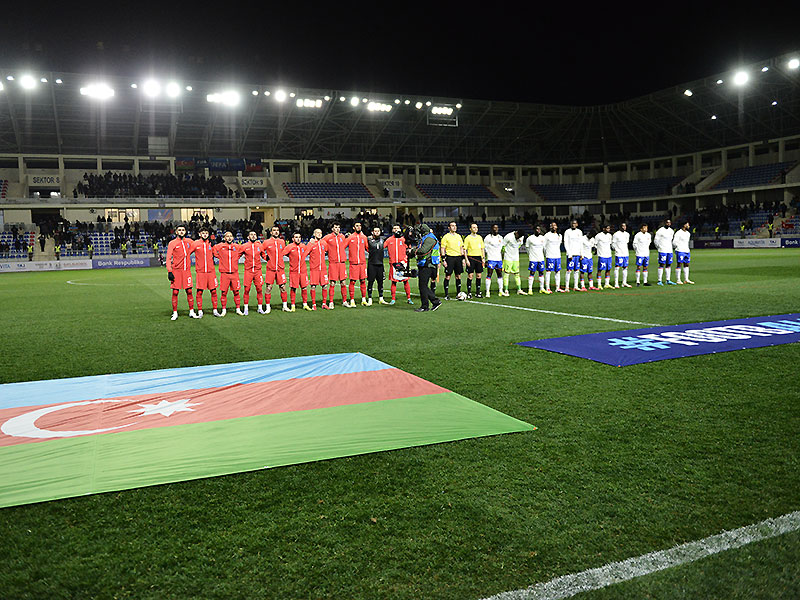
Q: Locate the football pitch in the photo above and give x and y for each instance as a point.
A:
(624, 461)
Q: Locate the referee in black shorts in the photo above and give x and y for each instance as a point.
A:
(453, 253)
(475, 251)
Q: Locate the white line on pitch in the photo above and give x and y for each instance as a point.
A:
(69, 281)
(563, 314)
(617, 572)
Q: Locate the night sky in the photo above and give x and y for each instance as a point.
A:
(551, 55)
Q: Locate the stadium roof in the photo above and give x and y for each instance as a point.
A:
(38, 115)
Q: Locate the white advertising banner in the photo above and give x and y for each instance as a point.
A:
(254, 182)
(44, 180)
(390, 183)
(758, 243)
(44, 265)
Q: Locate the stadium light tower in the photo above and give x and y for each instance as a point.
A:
(173, 89)
(151, 88)
(354, 101)
(97, 91)
(27, 82)
(280, 96)
(741, 78)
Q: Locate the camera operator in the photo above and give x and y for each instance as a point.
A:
(427, 253)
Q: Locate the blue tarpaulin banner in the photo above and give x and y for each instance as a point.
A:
(236, 164)
(635, 346)
(218, 164)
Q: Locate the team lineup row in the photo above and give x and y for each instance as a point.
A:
(323, 261)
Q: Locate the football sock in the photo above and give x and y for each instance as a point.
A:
(458, 285)
(477, 284)
(469, 287)
(446, 286)
(174, 300)
(344, 291)
(678, 274)
(669, 269)
(324, 294)
(283, 296)
(214, 302)
(190, 299)
(541, 282)
(530, 283)
(314, 295)
(331, 292)
(246, 297)
(638, 276)
(518, 281)
(625, 275)
(645, 275)
(407, 285)
(488, 284)
(260, 296)
(236, 298)
(500, 284)
(661, 273)
(686, 273)
(224, 299)
(558, 279)
(293, 295)
(199, 299)
(352, 288)
(616, 275)
(608, 278)
(547, 280)
(394, 290)
(364, 289)
(268, 297)
(505, 280)
(304, 294)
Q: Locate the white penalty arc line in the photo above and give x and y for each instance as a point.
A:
(618, 572)
(563, 314)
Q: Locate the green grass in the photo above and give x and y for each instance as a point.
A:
(624, 461)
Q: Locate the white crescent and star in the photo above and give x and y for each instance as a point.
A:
(25, 425)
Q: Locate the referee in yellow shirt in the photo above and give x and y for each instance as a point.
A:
(453, 252)
(475, 251)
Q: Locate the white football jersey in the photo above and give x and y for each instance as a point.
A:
(603, 242)
(535, 246)
(663, 240)
(511, 246)
(586, 247)
(681, 240)
(494, 246)
(573, 242)
(619, 241)
(641, 244)
(552, 245)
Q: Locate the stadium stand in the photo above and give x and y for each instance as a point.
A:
(571, 192)
(120, 185)
(643, 188)
(327, 190)
(8, 249)
(454, 190)
(754, 176)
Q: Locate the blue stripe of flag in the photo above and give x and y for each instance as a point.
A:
(95, 387)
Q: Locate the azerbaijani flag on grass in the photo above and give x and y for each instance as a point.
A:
(70, 437)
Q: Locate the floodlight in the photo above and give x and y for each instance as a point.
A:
(151, 88)
(407, 101)
(379, 106)
(299, 103)
(98, 91)
(317, 103)
(397, 100)
(428, 103)
(719, 81)
(188, 88)
(418, 105)
(353, 101)
(27, 82)
(794, 63)
(327, 98)
(280, 96)
(292, 95)
(713, 117)
(254, 92)
(342, 98)
(43, 80)
(59, 82)
(266, 92)
(442, 110)
(173, 89)
(134, 86)
(228, 98)
(10, 78)
(458, 105)
(687, 92)
(1, 87)
(740, 78)
(764, 69)
(365, 100)
(774, 103)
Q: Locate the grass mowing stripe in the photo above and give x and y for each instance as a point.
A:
(563, 314)
(617, 572)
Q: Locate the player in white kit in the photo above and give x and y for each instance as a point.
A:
(573, 242)
(663, 243)
(587, 244)
(535, 247)
(511, 243)
(619, 243)
(552, 257)
(680, 242)
(603, 243)
(493, 244)
(641, 248)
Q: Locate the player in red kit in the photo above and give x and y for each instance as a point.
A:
(396, 245)
(298, 273)
(336, 243)
(205, 271)
(276, 269)
(179, 270)
(228, 254)
(251, 250)
(356, 255)
(315, 251)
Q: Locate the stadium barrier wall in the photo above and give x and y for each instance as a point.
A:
(712, 244)
(124, 263)
(792, 242)
(758, 243)
(45, 265)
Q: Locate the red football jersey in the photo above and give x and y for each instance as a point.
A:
(397, 249)
(252, 255)
(336, 245)
(297, 257)
(315, 250)
(356, 248)
(178, 251)
(228, 256)
(273, 248)
(203, 256)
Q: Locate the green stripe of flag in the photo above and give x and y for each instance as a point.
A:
(115, 461)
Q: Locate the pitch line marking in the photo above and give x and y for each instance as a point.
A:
(71, 282)
(563, 314)
(567, 586)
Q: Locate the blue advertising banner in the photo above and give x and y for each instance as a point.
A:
(123, 263)
(790, 242)
(236, 164)
(635, 346)
(218, 164)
